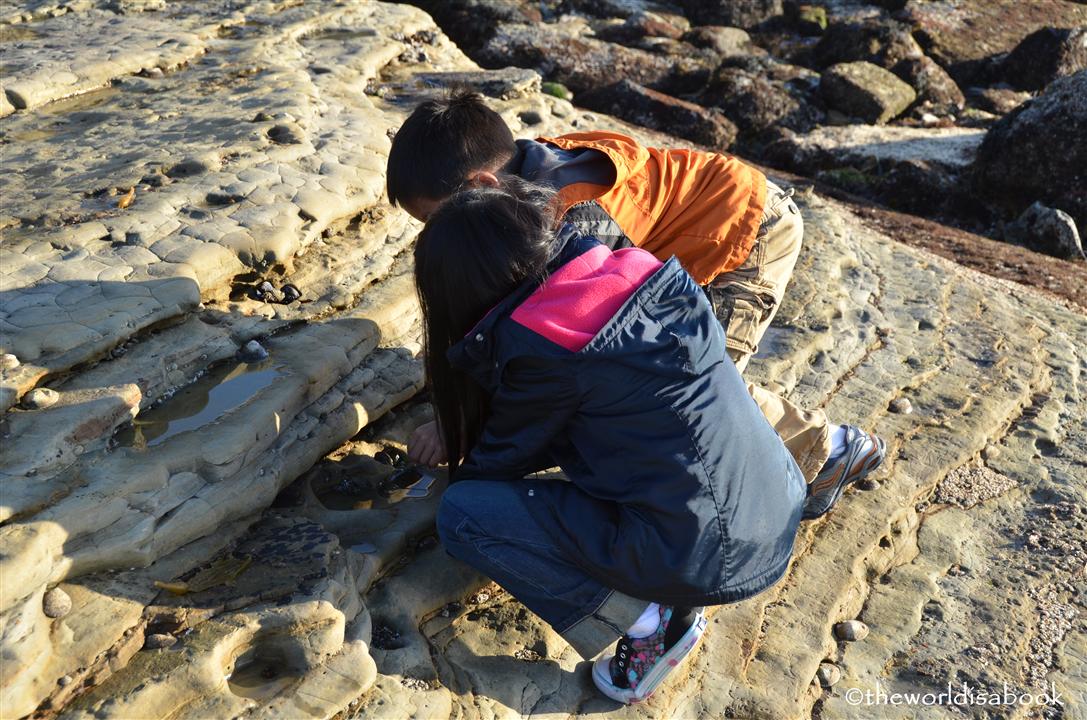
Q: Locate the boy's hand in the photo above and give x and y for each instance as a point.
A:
(425, 446)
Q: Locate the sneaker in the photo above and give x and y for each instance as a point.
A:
(639, 665)
(863, 453)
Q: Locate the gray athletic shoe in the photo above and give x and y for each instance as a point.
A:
(863, 454)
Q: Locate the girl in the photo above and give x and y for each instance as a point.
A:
(546, 349)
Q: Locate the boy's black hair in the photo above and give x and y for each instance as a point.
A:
(441, 142)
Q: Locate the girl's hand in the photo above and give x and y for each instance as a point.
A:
(425, 446)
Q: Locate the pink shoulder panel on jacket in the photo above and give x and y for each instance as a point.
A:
(583, 295)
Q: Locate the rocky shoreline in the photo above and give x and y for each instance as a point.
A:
(210, 345)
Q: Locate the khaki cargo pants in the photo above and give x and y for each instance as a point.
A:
(746, 300)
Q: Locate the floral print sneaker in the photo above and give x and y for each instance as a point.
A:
(639, 665)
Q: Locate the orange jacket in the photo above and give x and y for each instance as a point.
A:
(702, 207)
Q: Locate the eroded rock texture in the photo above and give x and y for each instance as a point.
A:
(193, 521)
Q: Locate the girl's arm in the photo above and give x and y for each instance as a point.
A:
(531, 408)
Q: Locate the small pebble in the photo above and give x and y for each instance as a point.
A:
(41, 398)
(290, 293)
(868, 484)
(56, 603)
(267, 292)
(64, 680)
(253, 351)
(851, 630)
(828, 674)
(8, 362)
(902, 406)
(531, 117)
(159, 640)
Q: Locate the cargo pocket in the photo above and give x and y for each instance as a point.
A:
(743, 313)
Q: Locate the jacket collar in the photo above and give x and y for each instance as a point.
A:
(474, 354)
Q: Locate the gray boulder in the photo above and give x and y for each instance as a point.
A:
(1046, 230)
(1046, 55)
(1037, 153)
(866, 91)
(738, 13)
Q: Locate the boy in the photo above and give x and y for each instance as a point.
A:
(736, 233)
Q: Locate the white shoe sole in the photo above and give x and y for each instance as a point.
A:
(668, 662)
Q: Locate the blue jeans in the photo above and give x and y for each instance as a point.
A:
(493, 526)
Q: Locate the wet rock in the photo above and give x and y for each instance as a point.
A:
(865, 91)
(828, 674)
(880, 42)
(725, 42)
(41, 398)
(1047, 230)
(967, 38)
(1017, 165)
(737, 13)
(900, 406)
(1045, 55)
(156, 641)
(851, 631)
(252, 352)
(643, 106)
(935, 89)
(8, 361)
(56, 603)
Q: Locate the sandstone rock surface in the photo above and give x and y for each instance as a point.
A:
(212, 518)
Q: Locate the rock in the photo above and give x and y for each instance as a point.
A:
(504, 84)
(471, 23)
(968, 38)
(159, 640)
(563, 53)
(935, 89)
(1016, 165)
(8, 362)
(880, 42)
(865, 91)
(850, 631)
(726, 42)
(286, 134)
(737, 13)
(638, 26)
(290, 293)
(828, 674)
(1047, 230)
(997, 100)
(900, 406)
(1045, 55)
(41, 398)
(56, 603)
(195, 165)
(253, 352)
(808, 19)
(921, 170)
(760, 96)
(640, 105)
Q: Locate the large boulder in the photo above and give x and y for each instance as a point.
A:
(643, 106)
(1044, 56)
(1037, 152)
(968, 37)
(1047, 230)
(738, 13)
(935, 89)
(882, 42)
(866, 91)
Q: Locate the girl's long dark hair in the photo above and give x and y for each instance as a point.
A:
(477, 248)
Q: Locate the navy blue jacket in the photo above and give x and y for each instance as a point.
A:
(681, 492)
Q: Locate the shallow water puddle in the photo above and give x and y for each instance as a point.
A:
(261, 678)
(349, 495)
(215, 394)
